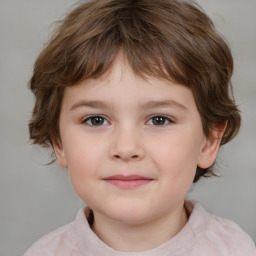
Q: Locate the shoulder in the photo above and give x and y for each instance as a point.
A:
(230, 236)
(58, 242)
(221, 235)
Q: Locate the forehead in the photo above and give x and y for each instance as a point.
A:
(122, 87)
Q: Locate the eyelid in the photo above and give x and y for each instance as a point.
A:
(84, 120)
(168, 118)
(87, 118)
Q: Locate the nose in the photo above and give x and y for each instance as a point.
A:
(127, 145)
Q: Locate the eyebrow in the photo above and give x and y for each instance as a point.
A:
(147, 105)
(91, 104)
(164, 103)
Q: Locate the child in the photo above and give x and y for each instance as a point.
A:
(133, 96)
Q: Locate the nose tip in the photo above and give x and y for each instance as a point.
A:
(127, 147)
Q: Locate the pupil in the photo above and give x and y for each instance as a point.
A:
(158, 120)
(97, 121)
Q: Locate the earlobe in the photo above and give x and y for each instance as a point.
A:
(211, 146)
(60, 154)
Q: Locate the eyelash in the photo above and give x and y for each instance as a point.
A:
(161, 118)
(90, 118)
(94, 117)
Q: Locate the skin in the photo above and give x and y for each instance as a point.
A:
(130, 140)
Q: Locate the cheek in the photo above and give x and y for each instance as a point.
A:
(83, 158)
(178, 172)
(177, 160)
(82, 152)
(179, 151)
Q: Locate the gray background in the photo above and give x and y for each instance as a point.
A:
(36, 198)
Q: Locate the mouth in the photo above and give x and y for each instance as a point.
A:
(128, 181)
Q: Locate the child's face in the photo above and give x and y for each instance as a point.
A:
(137, 159)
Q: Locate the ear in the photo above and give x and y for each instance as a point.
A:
(60, 154)
(211, 146)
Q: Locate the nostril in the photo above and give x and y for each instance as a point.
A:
(117, 156)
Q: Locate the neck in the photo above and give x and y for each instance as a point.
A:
(131, 237)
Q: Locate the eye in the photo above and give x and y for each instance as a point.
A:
(96, 121)
(159, 120)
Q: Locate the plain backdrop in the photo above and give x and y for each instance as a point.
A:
(36, 198)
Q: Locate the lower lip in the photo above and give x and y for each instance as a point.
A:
(129, 184)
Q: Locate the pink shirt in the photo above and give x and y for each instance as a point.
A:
(204, 235)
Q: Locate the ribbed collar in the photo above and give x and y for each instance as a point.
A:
(90, 244)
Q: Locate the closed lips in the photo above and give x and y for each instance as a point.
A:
(130, 181)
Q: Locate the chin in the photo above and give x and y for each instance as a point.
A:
(130, 215)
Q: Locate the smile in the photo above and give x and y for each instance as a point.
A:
(128, 182)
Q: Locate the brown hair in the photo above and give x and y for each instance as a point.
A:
(168, 39)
